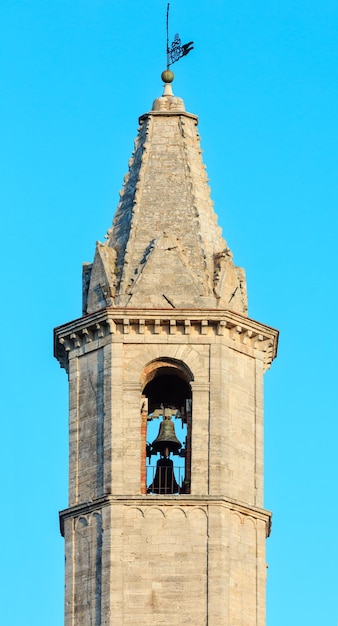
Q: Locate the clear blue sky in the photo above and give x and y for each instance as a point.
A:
(263, 78)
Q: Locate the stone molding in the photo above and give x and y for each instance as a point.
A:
(164, 502)
(168, 113)
(123, 324)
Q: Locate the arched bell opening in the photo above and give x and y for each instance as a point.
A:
(166, 410)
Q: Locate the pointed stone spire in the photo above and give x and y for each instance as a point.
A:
(165, 248)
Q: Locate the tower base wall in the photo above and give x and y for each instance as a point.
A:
(179, 561)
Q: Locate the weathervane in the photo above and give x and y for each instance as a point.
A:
(175, 52)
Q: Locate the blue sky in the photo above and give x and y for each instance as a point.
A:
(263, 79)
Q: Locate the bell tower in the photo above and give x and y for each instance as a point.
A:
(165, 522)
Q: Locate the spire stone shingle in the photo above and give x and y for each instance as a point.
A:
(165, 238)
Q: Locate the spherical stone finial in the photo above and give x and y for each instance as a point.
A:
(167, 76)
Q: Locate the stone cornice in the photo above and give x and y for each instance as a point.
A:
(166, 113)
(124, 323)
(165, 502)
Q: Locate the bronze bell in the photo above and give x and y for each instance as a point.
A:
(164, 480)
(166, 440)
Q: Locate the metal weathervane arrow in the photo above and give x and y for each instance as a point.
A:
(176, 51)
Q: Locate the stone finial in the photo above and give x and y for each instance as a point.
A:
(168, 102)
(167, 76)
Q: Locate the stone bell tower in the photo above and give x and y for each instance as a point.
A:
(165, 525)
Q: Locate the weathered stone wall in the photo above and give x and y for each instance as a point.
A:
(90, 401)
(227, 420)
(160, 561)
(194, 559)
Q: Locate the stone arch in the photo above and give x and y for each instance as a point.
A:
(236, 519)
(169, 364)
(196, 511)
(176, 511)
(194, 358)
(81, 522)
(94, 516)
(250, 522)
(154, 512)
(133, 510)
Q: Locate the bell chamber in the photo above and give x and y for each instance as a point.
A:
(168, 402)
(166, 443)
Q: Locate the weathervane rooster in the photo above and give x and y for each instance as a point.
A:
(177, 50)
